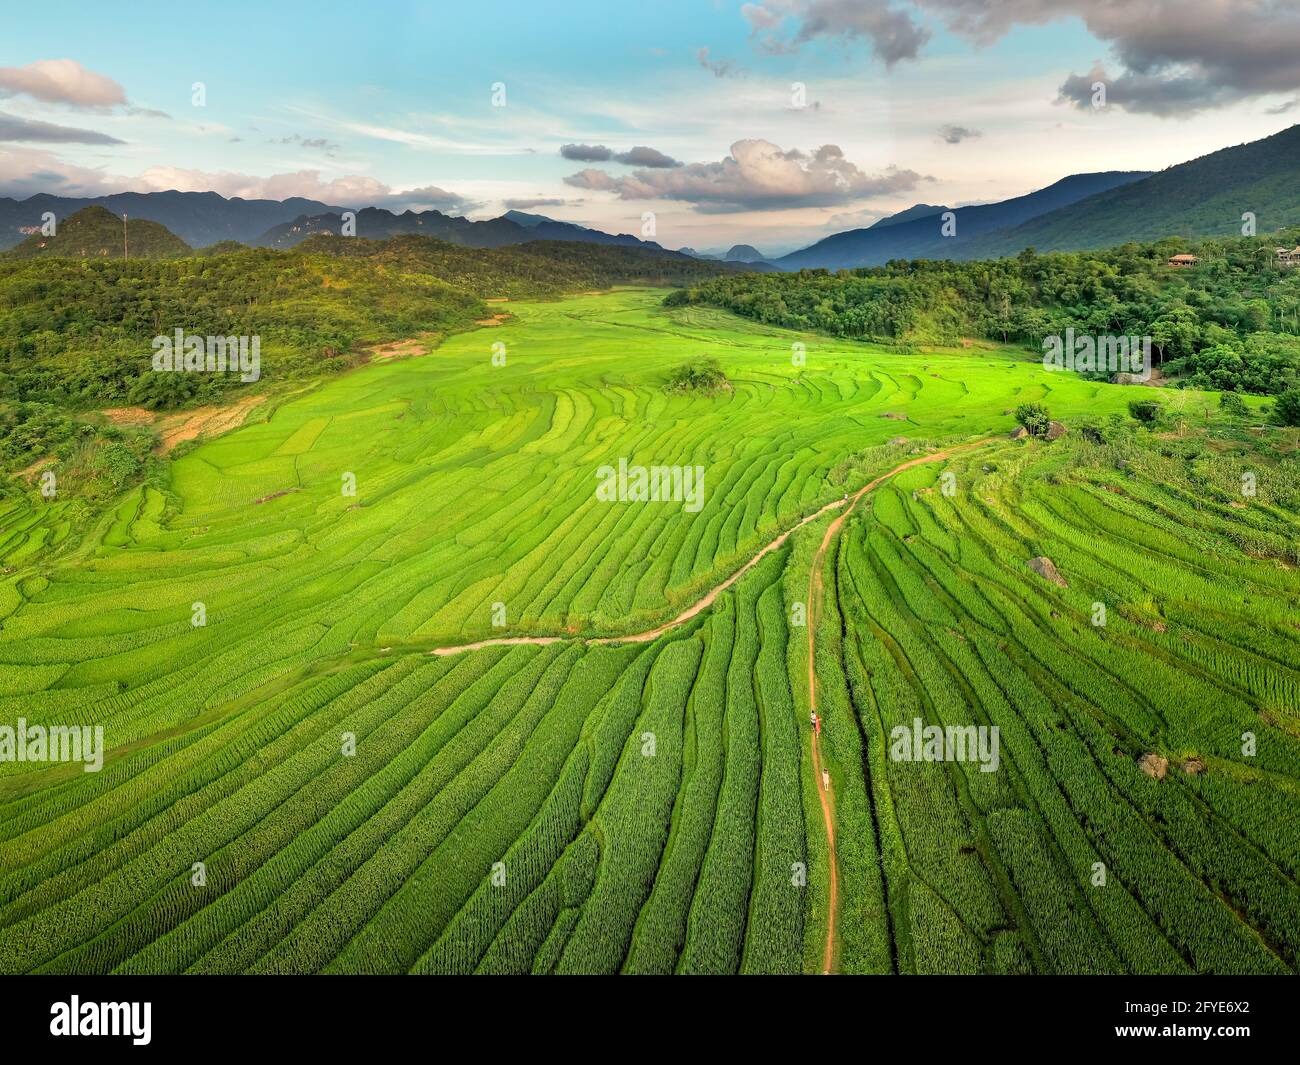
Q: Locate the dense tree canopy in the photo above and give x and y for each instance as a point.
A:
(1230, 322)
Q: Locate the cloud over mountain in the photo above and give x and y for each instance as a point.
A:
(758, 175)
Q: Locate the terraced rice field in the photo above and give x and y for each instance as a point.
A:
(359, 804)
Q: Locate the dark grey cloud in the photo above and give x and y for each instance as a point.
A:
(586, 153)
(782, 26)
(719, 68)
(539, 201)
(13, 128)
(1171, 57)
(317, 143)
(1165, 97)
(637, 156)
(649, 157)
(756, 176)
(956, 134)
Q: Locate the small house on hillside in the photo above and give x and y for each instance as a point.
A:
(1287, 257)
(1183, 260)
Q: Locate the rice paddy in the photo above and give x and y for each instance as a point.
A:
(293, 782)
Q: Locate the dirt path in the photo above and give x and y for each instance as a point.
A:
(826, 794)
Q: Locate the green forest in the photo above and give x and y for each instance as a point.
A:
(1230, 323)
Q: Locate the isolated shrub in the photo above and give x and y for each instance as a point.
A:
(1146, 411)
(1287, 407)
(1231, 403)
(116, 464)
(1093, 431)
(1034, 417)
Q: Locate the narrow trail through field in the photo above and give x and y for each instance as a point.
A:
(824, 791)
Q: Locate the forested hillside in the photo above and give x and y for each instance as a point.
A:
(1202, 197)
(543, 267)
(96, 233)
(1231, 323)
(76, 336)
(919, 234)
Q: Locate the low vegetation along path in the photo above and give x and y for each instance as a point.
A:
(824, 792)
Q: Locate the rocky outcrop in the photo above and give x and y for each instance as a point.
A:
(1154, 765)
(1046, 568)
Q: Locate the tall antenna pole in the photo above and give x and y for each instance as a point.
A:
(124, 235)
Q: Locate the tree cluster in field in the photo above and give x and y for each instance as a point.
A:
(702, 375)
(1034, 417)
(1230, 323)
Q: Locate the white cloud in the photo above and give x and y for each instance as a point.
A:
(758, 175)
(350, 190)
(24, 172)
(62, 81)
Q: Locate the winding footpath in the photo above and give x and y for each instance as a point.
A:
(825, 793)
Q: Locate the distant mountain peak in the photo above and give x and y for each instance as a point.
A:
(523, 218)
(197, 218)
(744, 253)
(95, 232)
(921, 236)
(917, 210)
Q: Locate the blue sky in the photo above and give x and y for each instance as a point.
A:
(937, 101)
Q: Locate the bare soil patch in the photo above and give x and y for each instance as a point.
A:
(398, 349)
(129, 415)
(203, 421)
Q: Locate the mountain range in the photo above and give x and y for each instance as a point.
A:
(919, 232)
(198, 218)
(201, 219)
(1211, 195)
(513, 227)
(1207, 196)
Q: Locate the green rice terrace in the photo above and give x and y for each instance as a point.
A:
(385, 686)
